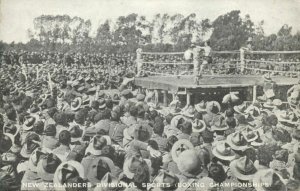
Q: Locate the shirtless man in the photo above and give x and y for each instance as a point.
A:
(293, 94)
(207, 59)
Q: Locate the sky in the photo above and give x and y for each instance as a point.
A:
(16, 16)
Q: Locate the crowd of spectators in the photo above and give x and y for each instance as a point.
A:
(154, 63)
(283, 67)
(61, 130)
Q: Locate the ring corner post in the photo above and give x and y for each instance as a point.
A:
(188, 98)
(165, 93)
(242, 58)
(254, 92)
(139, 63)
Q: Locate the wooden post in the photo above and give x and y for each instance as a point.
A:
(254, 93)
(139, 63)
(165, 93)
(173, 96)
(24, 68)
(188, 99)
(37, 72)
(242, 58)
(156, 95)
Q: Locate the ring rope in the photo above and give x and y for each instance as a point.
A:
(174, 53)
(169, 63)
(264, 61)
(274, 52)
(226, 52)
(279, 71)
(162, 53)
(191, 75)
(167, 74)
(183, 63)
(180, 63)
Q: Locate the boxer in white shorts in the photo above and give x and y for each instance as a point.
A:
(207, 59)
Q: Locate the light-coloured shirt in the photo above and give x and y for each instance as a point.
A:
(207, 50)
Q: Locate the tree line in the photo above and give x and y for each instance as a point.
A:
(163, 33)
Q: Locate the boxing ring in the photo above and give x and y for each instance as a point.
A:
(247, 79)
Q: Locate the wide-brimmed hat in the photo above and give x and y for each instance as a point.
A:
(140, 97)
(66, 170)
(31, 143)
(13, 90)
(80, 78)
(102, 103)
(198, 125)
(218, 123)
(130, 165)
(165, 180)
(174, 103)
(174, 107)
(240, 108)
(76, 104)
(193, 45)
(44, 97)
(97, 143)
(115, 98)
(8, 158)
(19, 83)
(174, 110)
(76, 133)
(243, 168)
(12, 129)
(189, 112)
(81, 89)
(201, 107)
(137, 131)
(189, 163)
(28, 123)
(126, 93)
(180, 146)
(35, 157)
(230, 98)
(267, 77)
(223, 151)
(294, 95)
(213, 107)
(50, 130)
(249, 134)
(34, 109)
(269, 104)
(296, 133)
(153, 106)
(92, 90)
(47, 165)
(244, 121)
(88, 79)
(8, 140)
(85, 100)
(269, 180)
(296, 151)
(253, 111)
(284, 116)
(237, 141)
(277, 102)
(175, 120)
(258, 141)
(74, 83)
